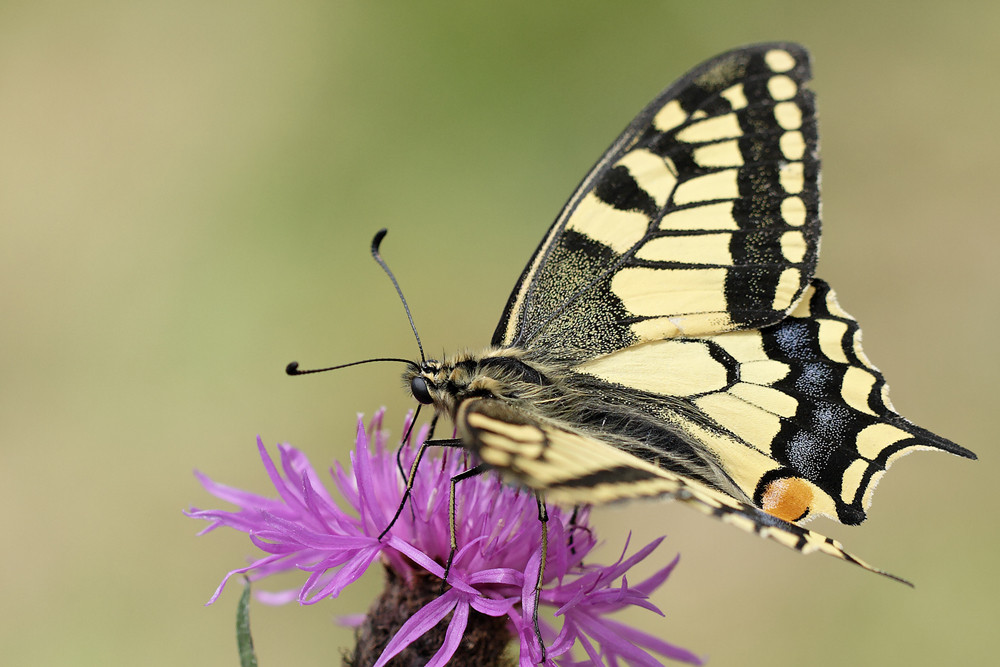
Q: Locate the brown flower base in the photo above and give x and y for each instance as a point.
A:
(484, 641)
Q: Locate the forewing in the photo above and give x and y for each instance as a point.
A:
(573, 469)
(701, 218)
(794, 413)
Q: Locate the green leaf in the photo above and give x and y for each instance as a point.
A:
(243, 639)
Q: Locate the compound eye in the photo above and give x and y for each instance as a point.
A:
(421, 391)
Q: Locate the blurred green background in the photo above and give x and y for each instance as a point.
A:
(187, 192)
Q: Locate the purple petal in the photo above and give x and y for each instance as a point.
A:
(276, 597)
(372, 516)
(637, 637)
(563, 642)
(230, 494)
(351, 620)
(418, 625)
(492, 607)
(499, 575)
(416, 555)
(242, 570)
(347, 574)
(279, 483)
(452, 636)
(649, 585)
(590, 650)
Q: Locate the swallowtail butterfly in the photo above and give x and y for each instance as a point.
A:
(669, 339)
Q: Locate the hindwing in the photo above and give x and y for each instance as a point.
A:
(574, 469)
(701, 218)
(794, 414)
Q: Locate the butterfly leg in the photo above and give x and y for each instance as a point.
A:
(450, 442)
(406, 440)
(574, 526)
(452, 514)
(543, 518)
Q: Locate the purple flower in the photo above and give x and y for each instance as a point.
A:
(489, 596)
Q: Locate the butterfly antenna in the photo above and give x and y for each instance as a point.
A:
(376, 242)
(293, 368)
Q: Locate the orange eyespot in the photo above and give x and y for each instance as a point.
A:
(787, 498)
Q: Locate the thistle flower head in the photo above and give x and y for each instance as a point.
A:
(490, 593)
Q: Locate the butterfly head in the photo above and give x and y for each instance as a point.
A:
(494, 374)
(423, 380)
(441, 384)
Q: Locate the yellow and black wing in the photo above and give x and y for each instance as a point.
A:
(701, 218)
(795, 415)
(575, 469)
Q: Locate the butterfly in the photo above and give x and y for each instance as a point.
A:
(668, 338)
